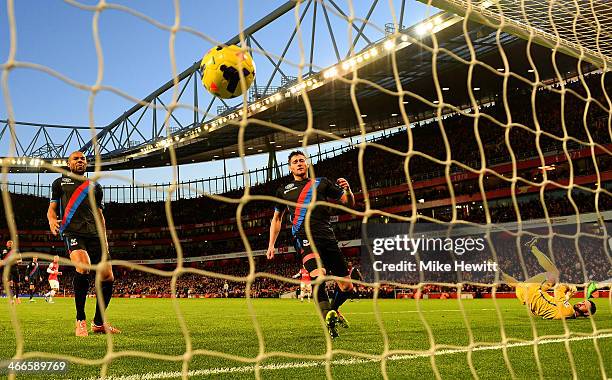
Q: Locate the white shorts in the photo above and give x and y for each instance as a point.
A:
(306, 288)
(54, 284)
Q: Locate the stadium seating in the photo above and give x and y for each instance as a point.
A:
(137, 231)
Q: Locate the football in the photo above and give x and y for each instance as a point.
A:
(221, 71)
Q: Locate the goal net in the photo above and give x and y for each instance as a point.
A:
(478, 145)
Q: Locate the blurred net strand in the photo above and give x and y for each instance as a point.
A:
(208, 39)
(161, 107)
(310, 130)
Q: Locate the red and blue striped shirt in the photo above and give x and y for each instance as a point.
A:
(77, 215)
(302, 193)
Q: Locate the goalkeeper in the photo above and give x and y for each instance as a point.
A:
(534, 292)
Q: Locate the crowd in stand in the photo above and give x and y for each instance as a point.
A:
(514, 139)
(427, 140)
(579, 260)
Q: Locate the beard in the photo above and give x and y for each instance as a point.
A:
(78, 171)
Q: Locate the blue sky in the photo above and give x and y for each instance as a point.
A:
(137, 57)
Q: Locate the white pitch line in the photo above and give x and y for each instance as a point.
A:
(310, 364)
(422, 311)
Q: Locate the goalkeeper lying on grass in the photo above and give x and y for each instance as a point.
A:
(534, 292)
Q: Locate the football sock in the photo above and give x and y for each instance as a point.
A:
(81, 286)
(15, 290)
(339, 298)
(107, 294)
(322, 298)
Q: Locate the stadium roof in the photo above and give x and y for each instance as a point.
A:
(334, 112)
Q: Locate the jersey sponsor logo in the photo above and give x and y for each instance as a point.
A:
(66, 181)
(290, 187)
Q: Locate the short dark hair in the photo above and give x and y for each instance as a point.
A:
(593, 308)
(295, 153)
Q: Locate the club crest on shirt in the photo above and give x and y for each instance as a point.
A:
(73, 242)
(66, 180)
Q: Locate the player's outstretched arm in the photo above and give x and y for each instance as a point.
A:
(347, 198)
(275, 227)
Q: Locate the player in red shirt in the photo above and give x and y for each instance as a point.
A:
(305, 285)
(53, 271)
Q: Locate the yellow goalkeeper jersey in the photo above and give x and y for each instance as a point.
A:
(546, 306)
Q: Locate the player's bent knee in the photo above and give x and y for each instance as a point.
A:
(80, 258)
(106, 272)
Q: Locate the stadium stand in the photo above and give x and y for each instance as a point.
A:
(137, 231)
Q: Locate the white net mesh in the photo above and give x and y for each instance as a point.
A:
(501, 121)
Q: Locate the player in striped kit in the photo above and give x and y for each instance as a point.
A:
(53, 271)
(300, 192)
(8, 254)
(72, 216)
(33, 276)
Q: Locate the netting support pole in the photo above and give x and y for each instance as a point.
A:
(250, 49)
(312, 37)
(178, 180)
(401, 20)
(195, 97)
(132, 190)
(272, 162)
(224, 171)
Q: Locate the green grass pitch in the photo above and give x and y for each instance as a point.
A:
(226, 326)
